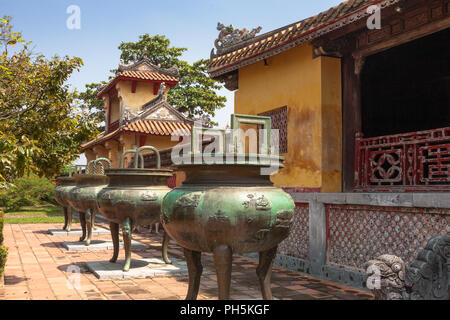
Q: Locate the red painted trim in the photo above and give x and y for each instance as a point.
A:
(117, 79)
(142, 140)
(133, 86)
(156, 87)
(172, 181)
(327, 231)
(300, 189)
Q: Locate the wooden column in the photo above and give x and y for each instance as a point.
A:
(351, 116)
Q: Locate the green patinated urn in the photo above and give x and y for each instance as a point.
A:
(136, 194)
(134, 197)
(83, 197)
(64, 185)
(227, 204)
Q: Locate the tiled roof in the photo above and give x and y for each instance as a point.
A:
(147, 127)
(139, 76)
(146, 75)
(161, 128)
(274, 42)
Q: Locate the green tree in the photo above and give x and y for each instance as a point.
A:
(195, 94)
(41, 126)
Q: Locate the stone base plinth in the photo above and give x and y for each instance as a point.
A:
(99, 245)
(76, 232)
(142, 268)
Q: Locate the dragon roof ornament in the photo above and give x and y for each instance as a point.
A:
(229, 36)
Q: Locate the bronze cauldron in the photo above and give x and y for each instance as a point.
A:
(83, 197)
(225, 209)
(133, 197)
(64, 185)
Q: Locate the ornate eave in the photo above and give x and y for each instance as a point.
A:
(141, 71)
(285, 38)
(146, 65)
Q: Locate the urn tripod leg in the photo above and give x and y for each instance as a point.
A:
(126, 233)
(114, 227)
(264, 271)
(222, 260)
(195, 269)
(88, 226)
(65, 218)
(69, 219)
(83, 225)
(165, 245)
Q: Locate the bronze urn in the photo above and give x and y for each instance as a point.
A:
(225, 208)
(83, 197)
(133, 197)
(64, 184)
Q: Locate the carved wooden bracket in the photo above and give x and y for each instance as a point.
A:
(332, 48)
(231, 81)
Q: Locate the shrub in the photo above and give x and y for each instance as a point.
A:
(3, 250)
(27, 191)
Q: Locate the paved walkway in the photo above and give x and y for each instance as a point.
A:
(37, 268)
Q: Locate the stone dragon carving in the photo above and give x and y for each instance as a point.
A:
(426, 278)
(126, 116)
(230, 36)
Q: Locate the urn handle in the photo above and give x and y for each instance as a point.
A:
(100, 161)
(139, 152)
(90, 168)
(135, 151)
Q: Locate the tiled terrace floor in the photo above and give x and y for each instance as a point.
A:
(37, 269)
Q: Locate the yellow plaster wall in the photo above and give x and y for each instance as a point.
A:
(90, 155)
(115, 109)
(331, 125)
(143, 94)
(295, 80)
(160, 142)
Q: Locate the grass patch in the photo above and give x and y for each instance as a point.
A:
(36, 214)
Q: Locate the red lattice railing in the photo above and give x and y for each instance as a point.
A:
(416, 161)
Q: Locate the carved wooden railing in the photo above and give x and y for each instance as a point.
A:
(416, 161)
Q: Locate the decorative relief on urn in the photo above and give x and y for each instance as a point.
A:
(260, 203)
(106, 196)
(261, 235)
(284, 219)
(189, 200)
(149, 196)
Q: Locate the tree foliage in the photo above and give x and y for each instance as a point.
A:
(195, 94)
(41, 127)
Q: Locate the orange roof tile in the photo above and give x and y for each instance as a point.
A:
(148, 127)
(139, 76)
(146, 75)
(276, 41)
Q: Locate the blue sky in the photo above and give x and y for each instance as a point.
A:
(104, 24)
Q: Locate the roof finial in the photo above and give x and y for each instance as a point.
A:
(144, 53)
(229, 36)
